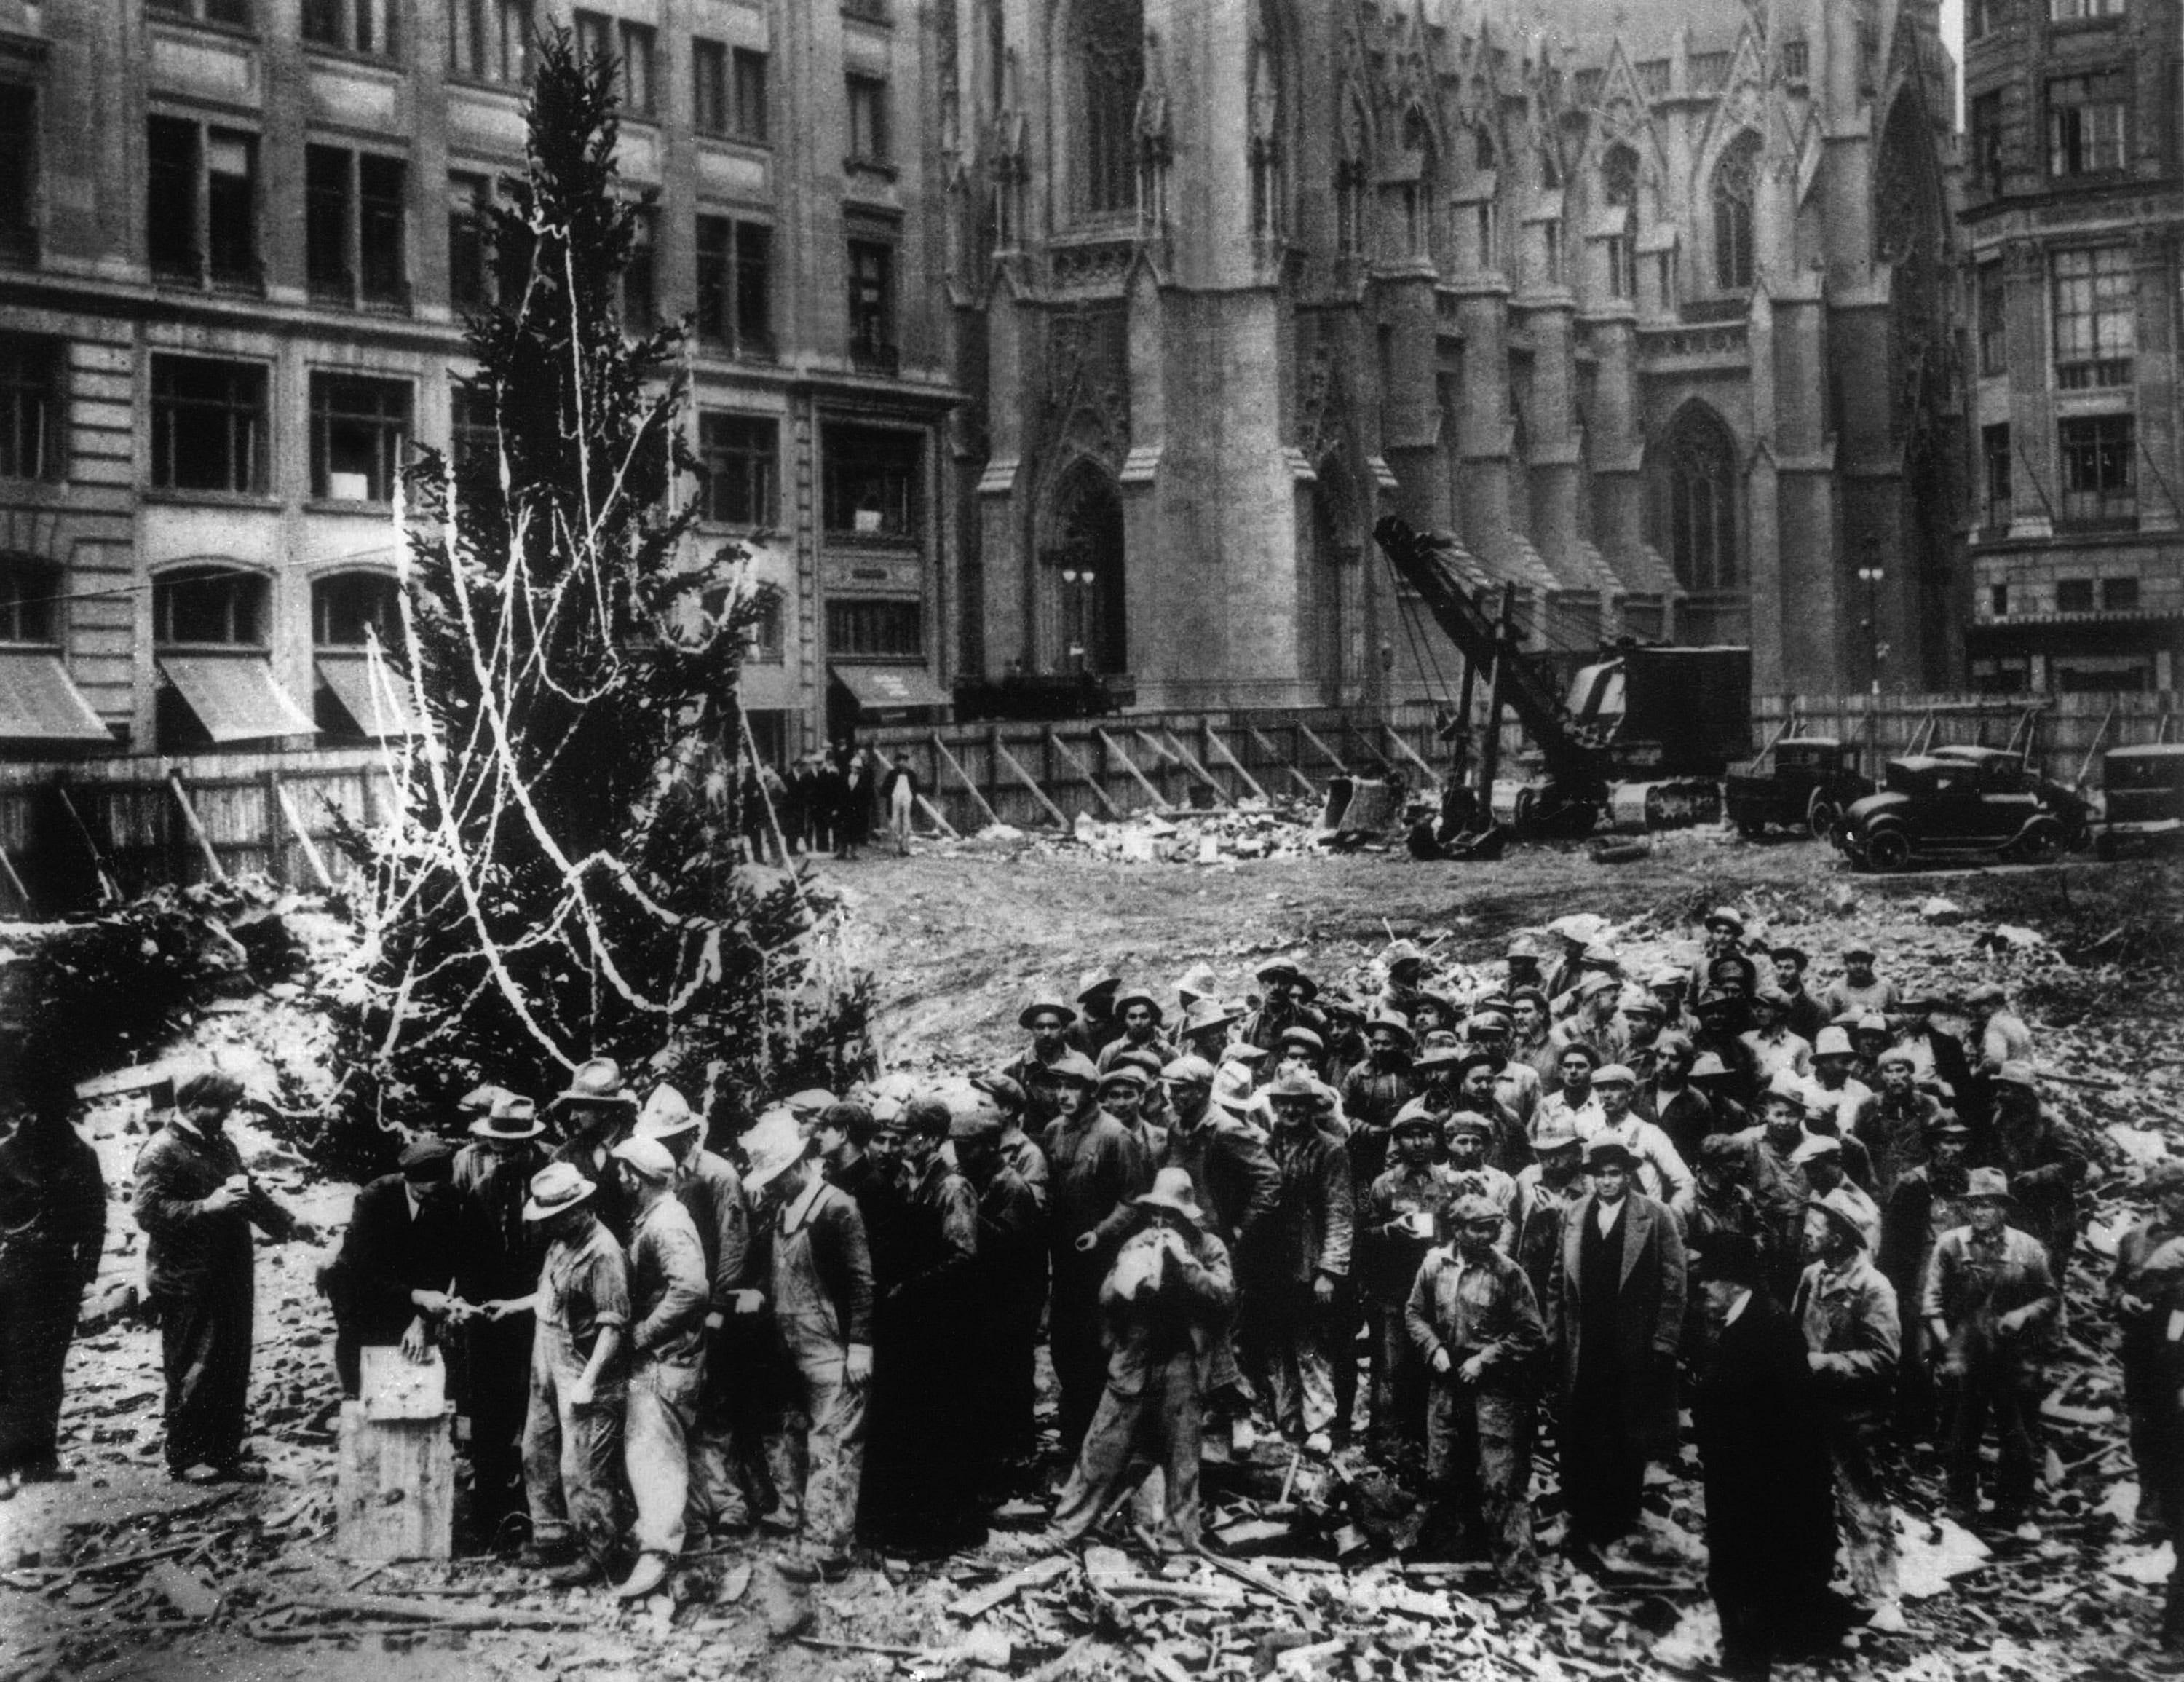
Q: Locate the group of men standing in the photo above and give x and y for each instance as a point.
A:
(819, 802)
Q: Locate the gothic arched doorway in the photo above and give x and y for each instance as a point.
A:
(1083, 620)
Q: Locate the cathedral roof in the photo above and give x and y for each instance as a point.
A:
(1582, 31)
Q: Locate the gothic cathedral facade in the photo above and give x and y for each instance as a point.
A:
(1651, 305)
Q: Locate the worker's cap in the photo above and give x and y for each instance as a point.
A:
(1557, 1132)
(648, 1156)
(512, 1117)
(427, 1160)
(2163, 1177)
(2017, 1072)
(1469, 1123)
(811, 1101)
(1608, 1152)
(1062, 1014)
(1242, 1051)
(1578, 1047)
(1305, 1038)
(1594, 983)
(1599, 956)
(1005, 1090)
(1637, 1001)
(1473, 1210)
(1125, 1074)
(555, 1188)
(479, 1100)
(1523, 946)
(1988, 992)
(1870, 1021)
(665, 1115)
(1518, 994)
(1414, 1118)
(1094, 983)
(1709, 1065)
(1292, 1090)
(1188, 1071)
(1490, 1021)
(856, 1122)
(1858, 949)
(1947, 1124)
(1794, 954)
(773, 1143)
(1387, 1021)
(1813, 1146)
(1787, 1088)
(1773, 998)
(1281, 969)
(1338, 1007)
(1144, 1058)
(598, 1080)
(1579, 927)
(1204, 1015)
(1916, 1004)
(1138, 996)
(1444, 1000)
(1722, 1153)
(1725, 916)
(1987, 1185)
(1833, 1042)
(1440, 1053)
(1714, 1002)
(1232, 1088)
(1071, 1068)
(975, 1119)
(1614, 1074)
(1399, 953)
(1668, 976)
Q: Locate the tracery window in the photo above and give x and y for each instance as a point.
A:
(1111, 69)
(1735, 182)
(1695, 497)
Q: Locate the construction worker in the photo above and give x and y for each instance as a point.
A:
(1300, 1294)
(2149, 1269)
(1403, 1218)
(392, 1283)
(1007, 1293)
(595, 1115)
(1662, 1173)
(1927, 1202)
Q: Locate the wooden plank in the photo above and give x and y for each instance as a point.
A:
(395, 1487)
(940, 823)
(1129, 765)
(1213, 741)
(310, 848)
(15, 884)
(1273, 751)
(1411, 754)
(980, 1602)
(1191, 764)
(1015, 768)
(196, 825)
(1326, 752)
(1056, 745)
(109, 891)
(964, 777)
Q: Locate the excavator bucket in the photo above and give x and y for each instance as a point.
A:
(1360, 808)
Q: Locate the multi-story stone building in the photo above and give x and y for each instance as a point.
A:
(1652, 304)
(2074, 206)
(237, 237)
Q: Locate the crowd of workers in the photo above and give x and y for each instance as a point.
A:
(1561, 1195)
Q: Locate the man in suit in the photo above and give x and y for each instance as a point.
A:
(1615, 1315)
(392, 1282)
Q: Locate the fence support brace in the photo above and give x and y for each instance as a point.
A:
(310, 848)
(1410, 753)
(1056, 745)
(1159, 799)
(1191, 764)
(218, 872)
(1213, 742)
(1015, 769)
(1334, 758)
(15, 884)
(1273, 751)
(940, 823)
(962, 775)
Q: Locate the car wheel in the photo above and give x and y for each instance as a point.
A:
(1822, 815)
(1888, 850)
(2041, 842)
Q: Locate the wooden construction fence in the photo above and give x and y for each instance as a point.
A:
(74, 831)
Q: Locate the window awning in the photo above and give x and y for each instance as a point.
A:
(38, 703)
(892, 689)
(236, 698)
(381, 706)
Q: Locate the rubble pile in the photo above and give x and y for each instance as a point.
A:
(1252, 830)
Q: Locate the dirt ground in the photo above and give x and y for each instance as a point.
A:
(958, 937)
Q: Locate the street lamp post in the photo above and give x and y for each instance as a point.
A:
(1871, 575)
(1077, 577)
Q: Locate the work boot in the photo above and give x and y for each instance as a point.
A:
(649, 1571)
(575, 1574)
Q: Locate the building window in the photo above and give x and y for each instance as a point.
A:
(871, 305)
(201, 204)
(1736, 179)
(1622, 282)
(2082, 11)
(1108, 62)
(489, 40)
(207, 425)
(709, 86)
(640, 309)
(18, 173)
(735, 285)
(473, 437)
(1488, 233)
(1351, 235)
(1995, 456)
(208, 606)
(868, 115)
(749, 68)
(1551, 253)
(1997, 600)
(355, 217)
(351, 610)
(2074, 595)
(2119, 595)
(1619, 178)
(470, 222)
(359, 432)
(595, 35)
(230, 14)
(1981, 18)
(1993, 320)
(1695, 493)
(870, 11)
(1797, 61)
(2088, 120)
(875, 630)
(30, 592)
(639, 48)
(2100, 469)
(871, 482)
(738, 469)
(30, 410)
(365, 26)
(2096, 317)
(1986, 142)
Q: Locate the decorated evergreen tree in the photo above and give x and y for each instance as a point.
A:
(565, 882)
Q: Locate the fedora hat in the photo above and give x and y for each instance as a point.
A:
(598, 1080)
(773, 1143)
(1172, 1192)
(1138, 996)
(1093, 982)
(665, 1115)
(1040, 1007)
(1073, 1067)
(511, 1118)
(1204, 1015)
(479, 1100)
(1987, 1185)
(1414, 1118)
(1387, 1021)
(555, 1189)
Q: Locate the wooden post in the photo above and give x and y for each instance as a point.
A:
(1214, 741)
(1287, 762)
(109, 891)
(310, 848)
(1327, 753)
(197, 828)
(1057, 745)
(1130, 764)
(1003, 756)
(15, 884)
(276, 851)
(994, 768)
(963, 777)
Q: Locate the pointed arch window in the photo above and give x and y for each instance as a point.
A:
(1268, 217)
(1619, 191)
(1735, 183)
(1695, 502)
(1109, 63)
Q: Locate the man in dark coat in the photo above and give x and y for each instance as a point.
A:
(1616, 1316)
(2149, 1269)
(392, 1283)
(1008, 1290)
(2045, 1164)
(1764, 1461)
(1303, 1293)
(596, 1114)
(53, 1230)
(195, 1206)
(499, 1262)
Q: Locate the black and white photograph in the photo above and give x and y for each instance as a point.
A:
(1091, 840)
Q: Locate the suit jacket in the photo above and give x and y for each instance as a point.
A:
(1649, 1317)
(386, 1253)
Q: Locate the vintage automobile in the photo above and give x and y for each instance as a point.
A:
(1962, 803)
(1803, 781)
(2142, 799)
